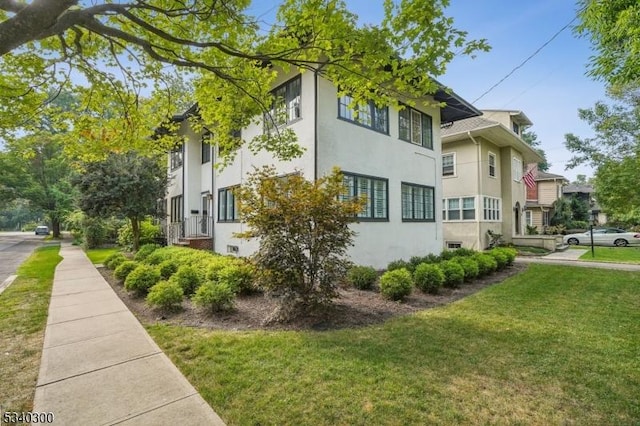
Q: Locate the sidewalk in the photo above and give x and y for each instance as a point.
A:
(571, 257)
(99, 365)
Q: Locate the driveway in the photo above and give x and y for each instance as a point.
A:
(15, 248)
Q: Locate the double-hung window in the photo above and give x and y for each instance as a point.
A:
(375, 191)
(517, 169)
(367, 115)
(463, 208)
(449, 164)
(491, 208)
(415, 127)
(417, 202)
(205, 143)
(286, 105)
(492, 164)
(176, 157)
(227, 205)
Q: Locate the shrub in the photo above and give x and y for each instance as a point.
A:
(165, 295)
(142, 279)
(94, 232)
(144, 251)
(238, 276)
(464, 252)
(124, 269)
(470, 267)
(428, 277)
(362, 277)
(447, 255)
(398, 264)
(114, 260)
(189, 278)
(167, 268)
(500, 257)
(148, 233)
(486, 264)
(453, 273)
(396, 285)
(511, 254)
(215, 296)
(157, 257)
(215, 265)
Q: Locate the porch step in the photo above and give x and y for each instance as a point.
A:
(561, 247)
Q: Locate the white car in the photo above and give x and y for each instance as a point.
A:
(604, 237)
(42, 230)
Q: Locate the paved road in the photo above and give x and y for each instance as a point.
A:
(15, 247)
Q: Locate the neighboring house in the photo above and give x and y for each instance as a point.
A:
(483, 163)
(586, 194)
(540, 199)
(393, 157)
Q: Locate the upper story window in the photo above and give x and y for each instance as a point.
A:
(374, 190)
(492, 164)
(368, 115)
(205, 144)
(176, 157)
(517, 169)
(449, 164)
(415, 127)
(516, 128)
(417, 203)
(286, 104)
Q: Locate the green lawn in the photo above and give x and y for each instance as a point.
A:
(613, 254)
(553, 345)
(99, 255)
(23, 317)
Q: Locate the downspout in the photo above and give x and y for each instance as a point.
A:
(315, 120)
(479, 155)
(213, 198)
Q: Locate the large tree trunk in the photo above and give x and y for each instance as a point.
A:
(55, 227)
(135, 230)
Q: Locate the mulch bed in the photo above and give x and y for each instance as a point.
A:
(353, 308)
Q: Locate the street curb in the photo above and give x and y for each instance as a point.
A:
(6, 283)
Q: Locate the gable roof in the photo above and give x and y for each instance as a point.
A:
(549, 176)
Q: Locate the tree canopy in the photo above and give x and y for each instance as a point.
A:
(112, 53)
(612, 28)
(531, 138)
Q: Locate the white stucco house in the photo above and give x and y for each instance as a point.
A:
(483, 162)
(392, 156)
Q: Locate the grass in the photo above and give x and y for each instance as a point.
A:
(553, 345)
(23, 317)
(613, 254)
(99, 255)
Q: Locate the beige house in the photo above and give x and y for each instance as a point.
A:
(540, 199)
(483, 162)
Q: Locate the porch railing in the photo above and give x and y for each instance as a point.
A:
(196, 226)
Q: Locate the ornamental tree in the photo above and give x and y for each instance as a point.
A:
(118, 58)
(304, 234)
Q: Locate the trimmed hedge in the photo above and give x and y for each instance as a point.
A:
(165, 295)
(189, 278)
(470, 267)
(396, 285)
(453, 273)
(486, 264)
(428, 277)
(142, 279)
(145, 251)
(114, 260)
(362, 277)
(238, 276)
(124, 269)
(215, 296)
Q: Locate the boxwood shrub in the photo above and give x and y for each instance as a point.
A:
(142, 279)
(510, 252)
(114, 260)
(124, 269)
(428, 277)
(165, 295)
(189, 278)
(397, 264)
(486, 264)
(396, 285)
(362, 277)
(145, 251)
(215, 296)
(167, 268)
(500, 257)
(453, 273)
(239, 276)
(469, 265)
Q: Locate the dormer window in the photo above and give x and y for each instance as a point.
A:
(516, 128)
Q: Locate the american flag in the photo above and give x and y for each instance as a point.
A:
(529, 178)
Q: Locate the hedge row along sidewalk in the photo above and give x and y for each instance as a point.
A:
(99, 365)
(23, 316)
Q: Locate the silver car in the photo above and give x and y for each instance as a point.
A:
(604, 237)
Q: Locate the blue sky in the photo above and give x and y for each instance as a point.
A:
(549, 88)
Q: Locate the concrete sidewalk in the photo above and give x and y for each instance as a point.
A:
(571, 257)
(99, 365)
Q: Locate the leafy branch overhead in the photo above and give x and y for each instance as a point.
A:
(112, 53)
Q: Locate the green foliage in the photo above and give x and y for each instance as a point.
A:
(217, 264)
(166, 295)
(362, 277)
(239, 276)
(304, 233)
(531, 138)
(613, 180)
(428, 277)
(167, 268)
(114, 260)
(215, 296)
(532, 230)
(453, 273)
(509, 252)
(124, 269)
(469, 265)
(396, 285)
(464, 252)
(399, 264)
(189, 278)
(500, 257)
(148, 234)
(141, 279)
(486, 264)
(144, 251)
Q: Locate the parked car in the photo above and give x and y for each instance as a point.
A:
(604, 237)
(42, 230)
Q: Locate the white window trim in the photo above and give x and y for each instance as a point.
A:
(517, 169)
(498, 209)
(445, 209)
(495, 165)
(528, 217)
(455, 169)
